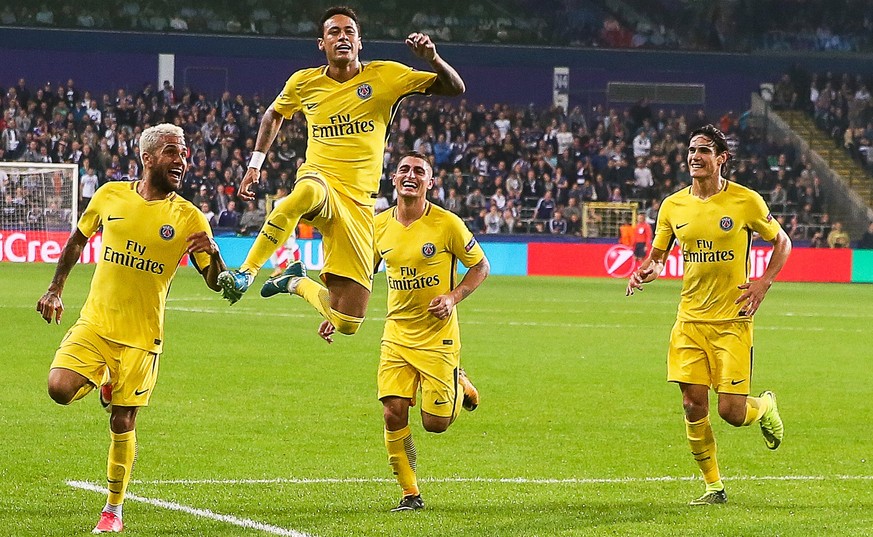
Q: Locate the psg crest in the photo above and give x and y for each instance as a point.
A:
(167, 232)
(726, 223)
(365, 91)
(428, 250)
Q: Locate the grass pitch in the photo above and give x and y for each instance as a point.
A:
(257, 427)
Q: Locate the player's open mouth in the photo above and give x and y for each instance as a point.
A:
(175, 173)
(344, 48)
(409, 184)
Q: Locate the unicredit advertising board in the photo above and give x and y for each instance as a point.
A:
(517, 258)
(617, 260)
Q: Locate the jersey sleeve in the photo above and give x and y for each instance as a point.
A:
(461, 242)
(663, 229)
(288, 101)
(405, 79)
(92, 217)
(200, 260)
(760, 220)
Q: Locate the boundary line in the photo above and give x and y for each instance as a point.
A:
(496, 480)
(202, 513)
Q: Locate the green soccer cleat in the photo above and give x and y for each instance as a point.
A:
(234, 283)
(285, 282)
(410, 503)
(471, 394)
(771, 423)
(711, 497)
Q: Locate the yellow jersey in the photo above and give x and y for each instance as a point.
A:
(347, 122)
(715, 238)
(421, 263)
(142, 245)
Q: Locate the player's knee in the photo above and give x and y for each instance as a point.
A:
(60, 394)
(732, 414)
(122, 420)
(307, 194)
(433, 424)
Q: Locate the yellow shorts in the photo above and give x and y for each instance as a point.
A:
(402, 370)
(718, 355)
(133, 372)
(347, 233)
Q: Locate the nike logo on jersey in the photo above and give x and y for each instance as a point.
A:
(111, 218)
(383, 252)
(140, 392)
(735, 382)
(310, 106)
(271, 224)
(680, 226)
(440, 402)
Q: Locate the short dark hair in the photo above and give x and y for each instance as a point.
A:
(338, 10)
(416, 154)
(718, 140)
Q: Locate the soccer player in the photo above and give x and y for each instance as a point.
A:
(348, 106)
(642, 233)
(421, 244)
(711, 343)
(147, 229)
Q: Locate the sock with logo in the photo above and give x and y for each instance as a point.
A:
(756, 407)
(459, 398)
(307, 197)
(122, 454)
(401, 457)
(703, 449)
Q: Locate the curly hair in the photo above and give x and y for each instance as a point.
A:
(150, 139)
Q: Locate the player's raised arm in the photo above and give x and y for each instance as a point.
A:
(270, 125)
(448, 81)
(50, 305)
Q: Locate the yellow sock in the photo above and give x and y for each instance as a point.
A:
(755, 409)
(316, 294)
(122, 454)
(703, 449)
(401, 457)
(307, 196)
(83, 391)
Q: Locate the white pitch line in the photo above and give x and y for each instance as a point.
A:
(535, 324)
(506, 480)
(203, 513)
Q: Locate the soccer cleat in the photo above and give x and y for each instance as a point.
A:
(106, 397)
(711, 497)
(285, 282)
(410, 503)
(771, 423)
(234, 283)
(471, 394)
(109, 523)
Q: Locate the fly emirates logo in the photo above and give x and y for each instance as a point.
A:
(410, 280)
(705, 254)
(342, 125)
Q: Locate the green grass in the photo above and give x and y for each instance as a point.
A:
(571, 374)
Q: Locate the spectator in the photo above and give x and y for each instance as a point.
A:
(866, 242)
(207, 212)
(252, 219)
(493, 220)
(228, 218)
(558, 224)
(838, 237)
(545, 207)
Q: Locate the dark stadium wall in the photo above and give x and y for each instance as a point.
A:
(105, 61)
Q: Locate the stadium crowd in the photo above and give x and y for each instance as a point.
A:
(504, 169)
(740, 25)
